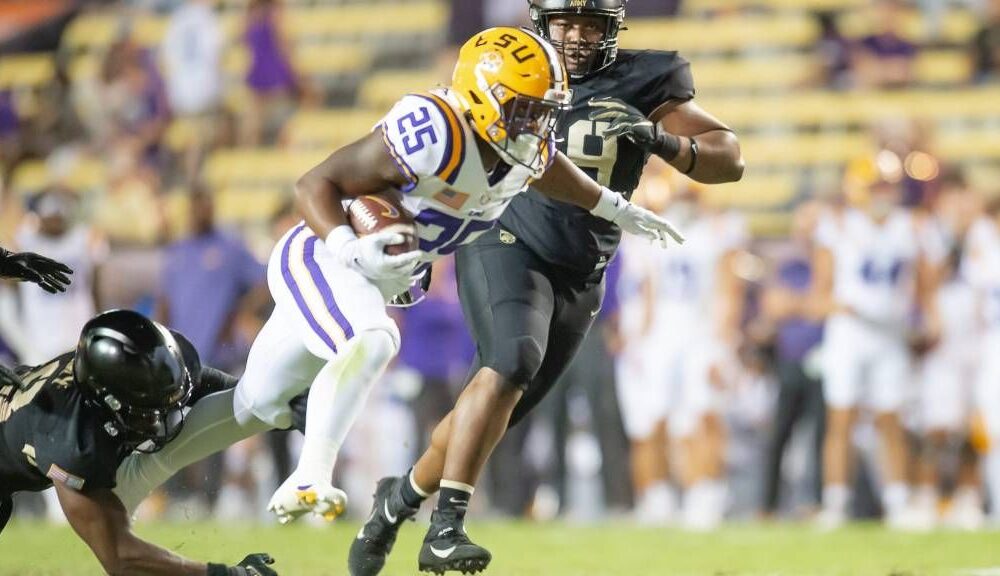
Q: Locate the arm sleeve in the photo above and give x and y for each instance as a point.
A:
(425, 138)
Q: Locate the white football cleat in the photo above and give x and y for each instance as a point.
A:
(296, 497)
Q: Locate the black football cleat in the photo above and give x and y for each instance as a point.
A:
(447, 548)
(375, 539)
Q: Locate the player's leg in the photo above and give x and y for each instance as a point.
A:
(842, 375)
(889, 375)
(508, 302)
(523, 359)
(643, 398)
(343, 321)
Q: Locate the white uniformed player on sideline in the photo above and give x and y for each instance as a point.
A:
(982, 268)
(948, 374)
(693, 286)
(873, 269)
(457, 156)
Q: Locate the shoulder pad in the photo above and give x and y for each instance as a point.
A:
(425, 137)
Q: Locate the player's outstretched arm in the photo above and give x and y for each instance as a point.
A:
(683, 134)
(718, 158)
(363, 167)
(565, 182)
(99, 518)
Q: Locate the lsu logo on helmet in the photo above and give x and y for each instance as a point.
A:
(513, 87)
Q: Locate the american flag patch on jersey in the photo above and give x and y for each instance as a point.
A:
(58, 474)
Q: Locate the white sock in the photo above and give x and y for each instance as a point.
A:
(337, 396)
(895, 497)
(209, 427)
(836, 497)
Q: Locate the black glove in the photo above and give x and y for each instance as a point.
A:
(30, 267)
(628, 121)
(255, 565)
(8, 377)
(252, 565)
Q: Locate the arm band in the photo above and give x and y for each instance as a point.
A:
(694, 156)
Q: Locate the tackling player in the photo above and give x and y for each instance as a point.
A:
(71, 422)
(531, 287)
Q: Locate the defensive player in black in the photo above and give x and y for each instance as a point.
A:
(71, 422)
(531, 287)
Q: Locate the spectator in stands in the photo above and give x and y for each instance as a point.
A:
(986, 47)
(208, 280)
(795, 339)
(884, 59)
(134, 100)
(272, 79)
(833, 50)
(192, 54)
(9, 129)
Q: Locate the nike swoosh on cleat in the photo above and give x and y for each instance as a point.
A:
(457, 501)
(385, 508)
(443, 554)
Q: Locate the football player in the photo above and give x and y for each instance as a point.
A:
(982, 268)
(71, 422)
(948, 373)
(457, 157)
(531, 287)
(874, 268)
(693, 286)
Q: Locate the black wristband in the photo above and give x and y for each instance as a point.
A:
(666, 146)
(694, 156)
(218, 569)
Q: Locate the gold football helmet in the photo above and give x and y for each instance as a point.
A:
(513, 87)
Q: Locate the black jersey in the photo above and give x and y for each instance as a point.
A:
(564, 234)
(48, 432)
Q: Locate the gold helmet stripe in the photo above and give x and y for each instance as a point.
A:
(454, 153)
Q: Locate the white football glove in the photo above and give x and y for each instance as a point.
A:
(614, 207)
(367, 253)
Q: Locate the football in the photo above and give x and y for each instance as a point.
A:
(376, 212)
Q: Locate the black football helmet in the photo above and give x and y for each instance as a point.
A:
(135, 370)
(613, 11)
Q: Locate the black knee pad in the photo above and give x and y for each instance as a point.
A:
(518, 360)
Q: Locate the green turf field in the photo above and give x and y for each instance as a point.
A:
(28, 549)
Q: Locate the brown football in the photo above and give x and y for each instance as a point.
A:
(376, 212)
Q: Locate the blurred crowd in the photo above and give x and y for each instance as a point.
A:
(703, 392)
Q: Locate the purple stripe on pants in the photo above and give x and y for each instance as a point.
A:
(324, 288)
(297, 293)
